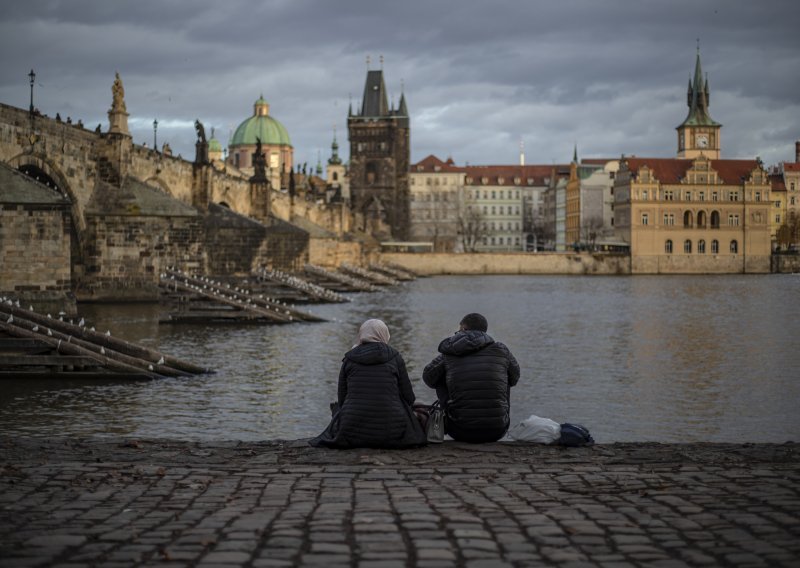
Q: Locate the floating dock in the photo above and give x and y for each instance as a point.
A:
(43, 346)
(201, 299)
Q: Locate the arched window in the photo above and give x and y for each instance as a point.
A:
(336, 176)
(668, 246)
(715, 246)
(715, 219)
(687, 246)
(701, 219)
(701, 247)
(734, 247)
(687, 219)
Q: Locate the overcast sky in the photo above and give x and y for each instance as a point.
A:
(479, 77)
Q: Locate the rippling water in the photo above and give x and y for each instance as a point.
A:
(662, 358)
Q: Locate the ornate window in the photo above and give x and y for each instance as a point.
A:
(645, 219)
(734, 247)
(715, 219)
(687, 246)
(687, 219)
(715, 246)
(668, 246)
(701, 219)
(701, 247)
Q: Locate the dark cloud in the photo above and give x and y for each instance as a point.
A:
(609, 77)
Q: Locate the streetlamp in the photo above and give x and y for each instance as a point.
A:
(155, 130)
(32, 77)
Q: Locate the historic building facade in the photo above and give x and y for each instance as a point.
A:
(695, 213)
(438, 214)
(380, 157)
(589, 198)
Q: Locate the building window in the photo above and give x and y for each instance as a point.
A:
(734, 195)
(778, 218)
(668, 195)
(688, 196)
(733, 220)
(702, 196)
(715, 246)
(494, 195)
(734, 247)
(493, 209)
(687, 219)
(778, 204)
(645, 219)
(715, 219)
(791, 201)
(701, 219)
(714, 196)
(791, 186)
(669, 218)
(668, 246)
(758, 196)
(501, 210)
(492, 240)
(701, 247)
(644, 195)
(687, 246)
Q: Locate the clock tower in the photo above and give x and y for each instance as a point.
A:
(699, 133)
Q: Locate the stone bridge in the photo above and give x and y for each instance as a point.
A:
(133, 210)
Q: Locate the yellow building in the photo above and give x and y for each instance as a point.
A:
(695, 213)
(573, 197)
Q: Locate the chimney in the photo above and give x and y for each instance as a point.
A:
(797, 152)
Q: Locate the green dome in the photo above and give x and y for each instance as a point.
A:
(214, 145)
(262, 126)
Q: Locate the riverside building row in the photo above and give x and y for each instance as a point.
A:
(694, 213)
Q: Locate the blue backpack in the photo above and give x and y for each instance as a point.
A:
(574, 435)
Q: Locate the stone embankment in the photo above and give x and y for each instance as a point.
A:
(115, 502)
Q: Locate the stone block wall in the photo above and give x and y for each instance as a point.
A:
(236, 245)
(34, 249)
(331, 253)
(125, 254)
(511, 263)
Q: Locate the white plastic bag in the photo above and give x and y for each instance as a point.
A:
(536, 429)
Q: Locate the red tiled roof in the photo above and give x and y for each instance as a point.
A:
(597, 161)
(776, 180)
(672, 170)
(431, 163)
(791, 166)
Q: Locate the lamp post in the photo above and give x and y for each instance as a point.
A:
(155, 130)
(32, 77)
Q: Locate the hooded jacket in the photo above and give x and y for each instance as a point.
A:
(477, 372)
(375, 398)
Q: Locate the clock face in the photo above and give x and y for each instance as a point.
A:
(702, 141)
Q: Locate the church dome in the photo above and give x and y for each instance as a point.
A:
(261, 125)
(214, 145)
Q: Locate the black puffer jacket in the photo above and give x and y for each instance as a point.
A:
(476, 372)
(375, 398)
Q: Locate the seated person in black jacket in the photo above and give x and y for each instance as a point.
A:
(375, 397)
(473, 375)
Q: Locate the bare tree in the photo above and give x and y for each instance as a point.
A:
(590, 229)
(471, 227)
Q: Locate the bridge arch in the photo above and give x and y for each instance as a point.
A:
(39, 168)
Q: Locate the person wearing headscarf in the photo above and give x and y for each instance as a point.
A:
(375, 397)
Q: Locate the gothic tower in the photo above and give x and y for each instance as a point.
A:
(380, 157)
(699, 133)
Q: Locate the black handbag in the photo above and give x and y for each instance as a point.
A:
(435, 427)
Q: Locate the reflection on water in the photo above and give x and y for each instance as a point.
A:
(667, 358)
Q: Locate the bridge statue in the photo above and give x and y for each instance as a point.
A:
(201, 132)
(118, 92)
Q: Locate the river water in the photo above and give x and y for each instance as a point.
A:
(642, 358)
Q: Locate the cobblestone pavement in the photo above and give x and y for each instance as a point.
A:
(67, 502)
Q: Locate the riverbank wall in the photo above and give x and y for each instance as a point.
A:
(786, 263)
(429, 264)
